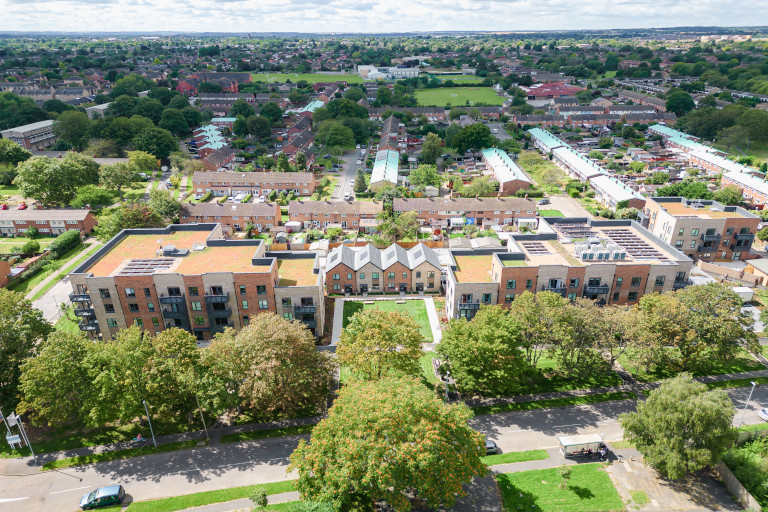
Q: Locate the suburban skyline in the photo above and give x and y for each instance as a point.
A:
(374, 16)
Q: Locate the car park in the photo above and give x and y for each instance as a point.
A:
(542, 202)
(103, 496)
(490, 447)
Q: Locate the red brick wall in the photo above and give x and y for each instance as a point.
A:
(521, 275)
(627, 272)
(343, 280)
(251, 281)
(139, 283)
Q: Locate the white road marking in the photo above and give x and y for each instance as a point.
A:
(75, 489)
(279, 458)
(628, 467)
(6, 500)
(562, 426)
(234, 464)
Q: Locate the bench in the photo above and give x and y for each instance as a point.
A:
(399, 302)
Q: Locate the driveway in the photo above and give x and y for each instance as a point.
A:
(569, 206)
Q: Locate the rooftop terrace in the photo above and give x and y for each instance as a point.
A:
(296, 272)
(473, 269)
(705, 213)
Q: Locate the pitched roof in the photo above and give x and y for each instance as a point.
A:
(345, 207)
(251, 177)
(215, 209)
(52, 214)
(463, 204)
(356, 257)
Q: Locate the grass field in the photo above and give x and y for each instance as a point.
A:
(551, 213)
(457, 96)
(415, 308)
(757, 149)
(309, 77)
(590, 489)
(66, 270)
(742, 363)
(512, 457)
(536, 166)
(555, 402)
(6, 244)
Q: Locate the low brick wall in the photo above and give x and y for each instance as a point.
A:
(734, 487)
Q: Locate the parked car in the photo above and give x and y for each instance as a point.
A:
(199, 196)
(3, 206)
(239, 197)
(327, 157)
(542, 202)
(490, 447)
(495, 130)
(23, 206)
(763, 413)
(359, 162)
(348, 196)
(352, 183)
(103, 496)
(144, 176)
(358, 146)
(262, 199)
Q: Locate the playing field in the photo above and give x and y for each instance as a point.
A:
(309, 77)
(458, 96)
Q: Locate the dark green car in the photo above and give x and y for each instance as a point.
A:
(103, 496)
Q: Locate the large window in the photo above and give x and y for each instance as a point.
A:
(511, 284)
(130, 293)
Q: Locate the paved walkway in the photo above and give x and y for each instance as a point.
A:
(338, 320)
(245, 504)
(88, 244)
(434, 322)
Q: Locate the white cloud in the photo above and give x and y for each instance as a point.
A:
(367, 16)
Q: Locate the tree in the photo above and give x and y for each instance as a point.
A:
(550, 177)
(680, 102)
(400, 227)
(179, 102)
(425, 175)
(16, 111)
(484, 354)
(128, 216)
(22, 327)
(131, 85)
(30, 247)
(476, 137)
(681, 428)
(271, 111)
(207, 87)
(174, 121)
(122, 106)
(241, 108)
(389, 440)
(301, 161)
(730, 195)
(53, 181)
(735, 136)
(72, 127)
(658, 178)
(270, 366)
(360, 186)
(597, 155)
(540, 317)
(260, 127)
(193, 117)
(283, 165)
(605, 143)
(637, 167)
(156, 141)
(755, 122)
(118, 176)
(93, 196)
(240, 128)
(163, 204)
(143, 161)
(482, 186)
(12, 153)
(149, 108)
(377, 343)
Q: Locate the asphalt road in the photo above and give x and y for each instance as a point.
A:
(349, 172)
(230, 465)
(502, 133)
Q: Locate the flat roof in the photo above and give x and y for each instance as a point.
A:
(296, 272)
(220, 259)
(473, 269)
(705, 213)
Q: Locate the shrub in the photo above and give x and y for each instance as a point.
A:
(33, 233)
(206, 197)
(574, 193)
(64, 242)
(590, 193)
(31, 247)
(272, 195)
(222, 200)
(247, 198)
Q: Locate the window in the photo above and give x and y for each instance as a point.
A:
(693, 244)
(286, 302)
(362, 275)
(197, 306)
(374, 275)
(335, 277)
(726, 242)
(130, 293)
(147, 292)
(694, 231)
(405, 275)
(245, 304)
(242, 289)
(263, 304)
(174, 291)
(679, 244)
(109, 308)
(391, 275)
(104, 293)
(635, 281)
(681, 232)
(111, 322)
(430, 284)
(511, 284)
(288, 316)
(193, 292)
(529, 284)
(150, 307)
(349, 276)
(729, 231)
(509, 297)
(632, 296)
(619, 282)
(217, 290)
(486, 298)
(261, 289)
(138, 322)
(391, 286)
(659, 281)
(199, 320)
(574, 282)
(155, 322)
(247, 320)
(571, 296)
(418, 274)
(430, 275)
(615, 296)
(744, 231)
(593, 281)
(336, 287)
(133, 308)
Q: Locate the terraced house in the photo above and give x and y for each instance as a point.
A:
(233, 217)
(455, 212)
(256, 183)
(188, 276)
(359, 215)
(51, 222)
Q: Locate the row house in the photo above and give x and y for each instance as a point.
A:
(433, 114)
(390, 132)
(630, 109)
(650, 117)
(233, 217)
(188, 276)
(456, 212)
(540, 120)
(255, 183)
(505, 171)
(702, 229)
(567, 110)
(590, 120)
(357, 215)
(51, 222)
(218, 159)
(353, 270)
(754, 190)
(37, 135)
(300, 142)
(610, 262)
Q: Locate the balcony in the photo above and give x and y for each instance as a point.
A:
(88, 326)
(710, 238)
(556, 289)
(169, 313)
(600, 289)
(311, 324)
(745, 236)
(472, 306)
(79, 297)
(171, 299)
(216, 298)
(84, 312)
(300, 310)
(220, 313)
(681, 284)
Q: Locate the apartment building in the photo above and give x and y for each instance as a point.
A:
(358, 215)
(189, 276)
(703, 230)
(455, 212)
(256, 183)
(754, 190)
(611, 261)
(233, 217)
(51, 222)
(391, 270)
(37, 135)
(510, 177)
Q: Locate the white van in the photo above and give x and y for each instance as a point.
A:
(239, 197)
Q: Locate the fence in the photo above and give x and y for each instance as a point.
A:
(729, 274)
(736, 488)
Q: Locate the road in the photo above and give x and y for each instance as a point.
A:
(349, 172)
(502, 133)
(230, 465)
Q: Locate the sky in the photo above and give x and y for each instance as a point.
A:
(369, 16)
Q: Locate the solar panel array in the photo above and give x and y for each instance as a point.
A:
(576, 230)
(146, 266)
(534, 248)
(635, 246)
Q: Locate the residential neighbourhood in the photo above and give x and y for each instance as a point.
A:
(251, 271)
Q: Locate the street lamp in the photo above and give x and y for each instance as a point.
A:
(154, 442)
(747, 404)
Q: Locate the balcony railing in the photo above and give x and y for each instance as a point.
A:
(169, 313)
(209, 298)
(299, 310)
(597, 289)
(79, 297)
(681, 284)
(562, 290)
(89, 326)
(745, 236)
(220, 312)
(84, 312)
(171, 299)
(311, 324)
(710, 238)
(472, 305)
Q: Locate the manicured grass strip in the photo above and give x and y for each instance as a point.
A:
(414, 307)
(208, 497)
(639, 497)
(509, 458)
(67, 270)
(551, 213)
(736, 383)
(263, 434)
(620, 445)
(752, 428)
(82, 460)
(589, 490)
(42, 273)
(555, 402)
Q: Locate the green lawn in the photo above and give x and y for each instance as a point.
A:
(512, 457)
(427, 373)
(67, 323)
(757, 149)
(263, 434)
(415, 308)
(610, 74)
(551, 213)
(535, 165)
(308, 77)
(548, 379)
(590, 489)
(556, 402)
(457, 96)
(28, 284)
(118, 454)
(6, 244)
(66, 270)
(9, 190)
(741, 363)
